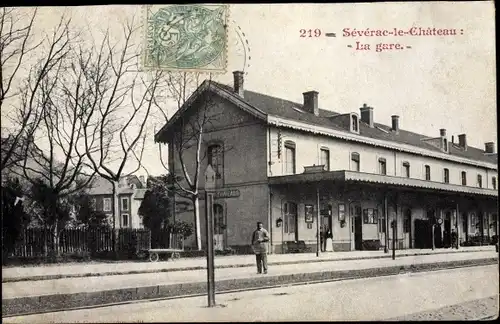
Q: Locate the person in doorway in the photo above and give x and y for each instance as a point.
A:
(260, 237)
(454, 241)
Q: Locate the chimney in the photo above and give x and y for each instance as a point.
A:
(395, 123)
(452, 139)
(462, 141)
(442, 132)
(311, 102)
(367, 114)
(238, 82)
(489, 147)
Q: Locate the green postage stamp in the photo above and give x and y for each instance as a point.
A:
(186, 37)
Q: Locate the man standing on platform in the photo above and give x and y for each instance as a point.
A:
(260, 237)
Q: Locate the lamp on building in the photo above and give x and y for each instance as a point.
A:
(279, 222)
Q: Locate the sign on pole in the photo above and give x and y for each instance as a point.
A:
(209, 221)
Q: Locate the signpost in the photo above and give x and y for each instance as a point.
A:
(209, 221)
(210, 195)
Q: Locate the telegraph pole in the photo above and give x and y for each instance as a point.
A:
(386, 225)
(394, 235)
(317, 223)
(209, 221)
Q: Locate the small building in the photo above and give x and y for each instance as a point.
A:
(131, 191)
(290, 165)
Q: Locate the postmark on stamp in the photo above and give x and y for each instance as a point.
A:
(186, 37)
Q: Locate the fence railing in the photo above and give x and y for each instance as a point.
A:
(36, 242)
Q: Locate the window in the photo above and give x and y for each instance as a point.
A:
(407, 221)
(325, 158)
(427, 173)
(125, 204)
(290, 213)
(219, 224)
(354, 123)
(215, 159)
(289, 157)
(355, 161)
(446, 176)
(406, 169)
(106, 204)
(125, 220)
(382, 166)
(370, 216)
(93, 203)
(494, 183)
(479, 181)
(464, 178)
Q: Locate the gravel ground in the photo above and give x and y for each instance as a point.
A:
(484, 308)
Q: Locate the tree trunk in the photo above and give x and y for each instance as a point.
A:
(116, 209)
(197, 230)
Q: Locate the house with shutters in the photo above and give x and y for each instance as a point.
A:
(131, 191)
(293, 164)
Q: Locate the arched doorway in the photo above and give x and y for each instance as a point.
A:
(219, 227)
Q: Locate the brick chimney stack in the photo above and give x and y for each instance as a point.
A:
(311, 102)
(395, 123)
(489, 147)
(462, 141)
(367, 115)
(238, 83)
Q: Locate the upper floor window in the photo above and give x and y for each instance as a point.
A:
(106, 204)
(406, 169)
(446, 176)
(464, 178)
(427, 173)
(355, 161)
(125, 205)
(354, 123)
(382, 166)
(290, 157)
(216, 159)
(479, 181)
(325, 158)
(494, 182)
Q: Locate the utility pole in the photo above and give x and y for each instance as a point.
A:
(394, 235)
(317, 223)
(209, 221)
(386, 225)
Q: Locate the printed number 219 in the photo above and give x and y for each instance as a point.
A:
(310, 32)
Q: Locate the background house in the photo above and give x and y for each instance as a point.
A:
(131, 192)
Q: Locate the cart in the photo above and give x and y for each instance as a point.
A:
(176, 246)
(154, 254)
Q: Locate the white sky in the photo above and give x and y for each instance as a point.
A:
(441, 82)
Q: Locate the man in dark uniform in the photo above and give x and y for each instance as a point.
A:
(260, 237)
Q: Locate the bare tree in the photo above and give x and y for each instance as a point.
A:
(16, 42)
(187, 138)
(55, 157)
(119, 106)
